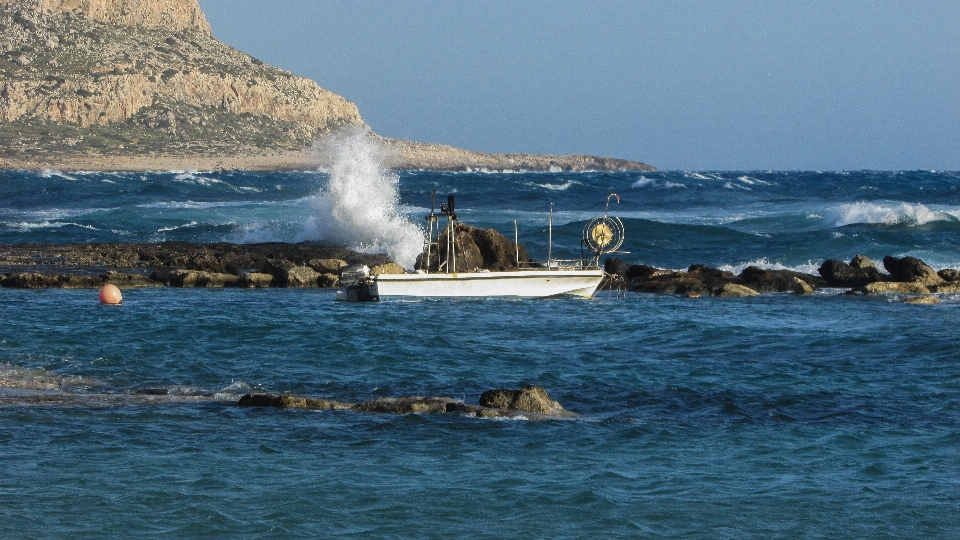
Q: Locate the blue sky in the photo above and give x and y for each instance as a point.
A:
(680, 85)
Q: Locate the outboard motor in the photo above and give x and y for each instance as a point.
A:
(358, 284)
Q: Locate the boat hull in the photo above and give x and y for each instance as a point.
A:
(521, 284)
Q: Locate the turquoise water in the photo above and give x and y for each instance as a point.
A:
(773, 416)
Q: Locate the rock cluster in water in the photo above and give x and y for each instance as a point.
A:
(179, 264)
(907, 275)
(528, 402)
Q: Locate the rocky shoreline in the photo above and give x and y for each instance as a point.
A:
(907, 275)
(312, 265)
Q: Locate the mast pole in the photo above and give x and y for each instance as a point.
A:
(550, 239)
(516, 241)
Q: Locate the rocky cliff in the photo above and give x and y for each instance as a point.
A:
(139, 84)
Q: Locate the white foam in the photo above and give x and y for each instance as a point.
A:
(26, 226)
(359, 207)
(168, 229)
(765, 264)
(642, 182)
(554, 187)
(884, 214)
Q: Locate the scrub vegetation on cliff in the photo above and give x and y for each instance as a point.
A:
(138, 84)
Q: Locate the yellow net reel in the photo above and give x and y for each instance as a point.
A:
(604, 234)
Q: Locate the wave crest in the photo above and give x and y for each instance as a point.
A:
(885, 214)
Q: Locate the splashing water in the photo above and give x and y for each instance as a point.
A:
(359, 206)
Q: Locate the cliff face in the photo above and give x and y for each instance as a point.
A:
(143, 84)
(144, 75)
(175, 15)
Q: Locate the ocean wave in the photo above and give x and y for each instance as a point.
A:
(886, 214)
(177, 227)
(51, 173)
(764, 263)
(554, 187)
(28, 226)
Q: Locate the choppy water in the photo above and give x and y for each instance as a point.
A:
(774, 416)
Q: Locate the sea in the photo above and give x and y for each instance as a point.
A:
(777, 416)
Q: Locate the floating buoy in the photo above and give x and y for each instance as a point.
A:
(110, 294)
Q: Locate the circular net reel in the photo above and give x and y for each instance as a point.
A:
(603, 235)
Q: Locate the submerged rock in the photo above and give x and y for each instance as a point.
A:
(289, 402)
(733, 290)
(895, 287)
(928, 300)
(411, 405)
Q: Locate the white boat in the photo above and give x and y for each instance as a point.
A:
(557, 278)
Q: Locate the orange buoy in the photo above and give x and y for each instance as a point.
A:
(110, 294)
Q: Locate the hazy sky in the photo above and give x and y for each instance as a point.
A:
(681, 85)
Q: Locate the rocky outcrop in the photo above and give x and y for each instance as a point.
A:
(477, 249)
(494, 404)
(911, 270)
(143, 84)
(840, 274)
(174, 15)
(38, 280)
(284, 402)
(134, 76)
(533, 399)
(763, 281)
(438, 157)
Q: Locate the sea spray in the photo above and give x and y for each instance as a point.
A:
(359, 207)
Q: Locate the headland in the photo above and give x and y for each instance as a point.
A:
(144, 85)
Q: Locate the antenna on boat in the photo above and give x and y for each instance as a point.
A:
(604, 234)
(550, 238)
(428, 241)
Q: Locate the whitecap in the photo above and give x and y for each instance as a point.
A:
(642, 182)
(174, 228)
(885, 214)
(809, 267)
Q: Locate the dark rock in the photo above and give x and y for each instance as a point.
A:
(617, 268)
(911, 270)
(840, 274)
(284, 401)
(764, 281)
(669, 283)
(641, 272)
(949, 274)
(533, 399)
(700, 280)
(477, 249)
(707, 272)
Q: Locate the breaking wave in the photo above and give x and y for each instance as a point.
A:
(884, 214)
(359, 207)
